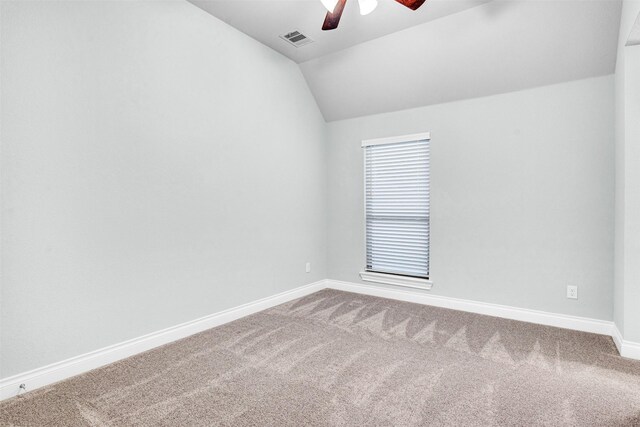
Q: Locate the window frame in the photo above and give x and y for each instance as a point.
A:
(388, 278)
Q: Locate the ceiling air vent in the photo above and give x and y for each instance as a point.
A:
(296, 38)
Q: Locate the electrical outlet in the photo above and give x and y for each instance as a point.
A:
(308, 267)
(572, 292)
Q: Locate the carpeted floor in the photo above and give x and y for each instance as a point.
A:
(341, 359)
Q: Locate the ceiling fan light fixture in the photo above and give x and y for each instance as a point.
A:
(330, 5)
(367, 6)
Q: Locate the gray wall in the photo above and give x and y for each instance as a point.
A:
(627, 188)
(632, 200)
(157, 166)
(522, 196)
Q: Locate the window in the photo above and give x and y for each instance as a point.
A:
(397, 210)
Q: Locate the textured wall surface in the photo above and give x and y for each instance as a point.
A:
(158, 166)
(521, 196)
(627, 199)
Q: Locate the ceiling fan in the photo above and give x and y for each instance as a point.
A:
(336, 7)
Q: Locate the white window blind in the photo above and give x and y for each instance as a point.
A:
(397, 205)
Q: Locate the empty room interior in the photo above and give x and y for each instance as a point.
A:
(320, 213)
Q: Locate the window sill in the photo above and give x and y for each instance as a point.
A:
(392, 279)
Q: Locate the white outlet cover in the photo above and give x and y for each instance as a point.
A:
(308, 267)
(572, 292)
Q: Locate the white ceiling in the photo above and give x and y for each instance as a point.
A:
(370, 66)
(266, 20)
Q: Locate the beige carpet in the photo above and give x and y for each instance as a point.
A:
(341, 359)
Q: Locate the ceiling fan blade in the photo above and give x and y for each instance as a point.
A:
(411, 4)
(332, 19)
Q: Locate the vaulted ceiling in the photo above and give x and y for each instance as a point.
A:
(448, 50)
(266, 20)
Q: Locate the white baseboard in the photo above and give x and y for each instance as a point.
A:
(532, 316)
(10, 387)
(628, 349)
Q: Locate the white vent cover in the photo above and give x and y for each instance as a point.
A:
(296, 38)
